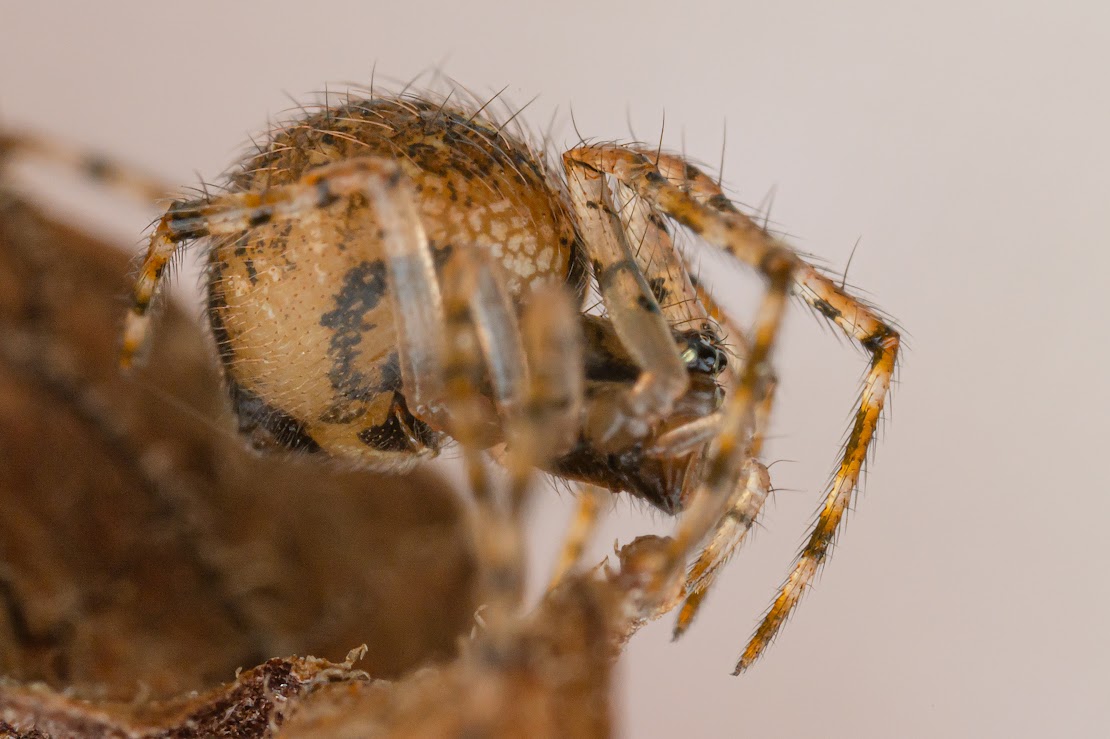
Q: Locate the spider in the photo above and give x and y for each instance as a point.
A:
(394, 272)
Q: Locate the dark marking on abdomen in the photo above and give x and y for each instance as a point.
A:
(217, 303)
(362, 291)
(254, 413)
(248, 263)
(400, 432)
(251, 410)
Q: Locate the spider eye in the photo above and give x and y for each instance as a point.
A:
(720, 360)
(701, 355)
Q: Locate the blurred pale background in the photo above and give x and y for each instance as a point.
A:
(965, 144)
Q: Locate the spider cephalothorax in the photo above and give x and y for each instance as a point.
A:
(393, 272)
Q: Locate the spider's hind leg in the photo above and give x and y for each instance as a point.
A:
(236, 213)
(101, 170)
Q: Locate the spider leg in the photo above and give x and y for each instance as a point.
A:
(548, 424)
(740, 515)
(535, 370)
(479, 320)
(751, 494)
(743, 509)
(663, 268)
(379, 179)
(729, 456)
(729, 450)
(649, 243)
(703, 208)
(615, 422)
(101, 170)
(584, 524)
(684, 301)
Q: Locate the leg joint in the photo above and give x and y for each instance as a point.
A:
(882, 340)
(779, 264)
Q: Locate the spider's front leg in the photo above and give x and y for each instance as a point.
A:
(620, 420)
(747, 500)
(684, 300)
(685, 194)
(728, 451)
(460, 332)
(646, 240)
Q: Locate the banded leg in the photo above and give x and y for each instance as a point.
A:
(553, 343)
(235, 213)
(584, 524)
(548, 424)
(621, 420)
(686, 302)
(704, 209)
(739, 344)
(660, 262)
(666, 277)
(480, 331)
(746, 503)
(683, 302)
(140, 185)
(741, 513)
(536, 372)
(729, 457)
(751, 493)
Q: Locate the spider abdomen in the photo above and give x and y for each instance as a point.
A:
(301, 309)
